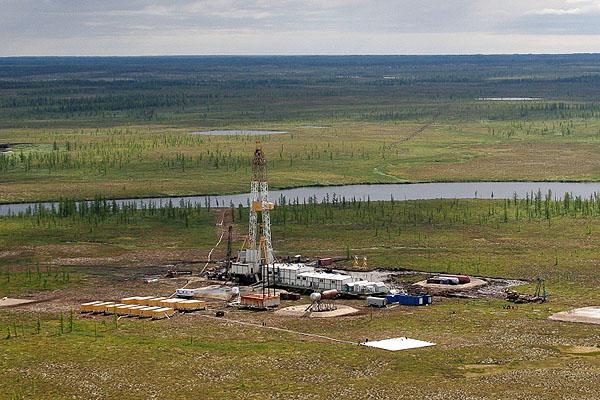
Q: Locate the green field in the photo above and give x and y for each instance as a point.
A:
(483, 351)
(120, 127)
(155, 161)
(487, 350)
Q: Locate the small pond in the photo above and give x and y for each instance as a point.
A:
(237, 133)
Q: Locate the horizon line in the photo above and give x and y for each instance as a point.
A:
(297, 55)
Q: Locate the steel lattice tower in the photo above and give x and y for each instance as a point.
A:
(259, 194)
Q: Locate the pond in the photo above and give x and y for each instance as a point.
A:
(510, 98)
(237, 133)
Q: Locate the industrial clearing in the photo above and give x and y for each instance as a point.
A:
(8, 302)
(254, 280)
(440, 286)
(304, 311)
(586, 315)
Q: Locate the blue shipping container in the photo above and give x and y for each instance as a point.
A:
(408, 300)
(391, 298)
(411, 300)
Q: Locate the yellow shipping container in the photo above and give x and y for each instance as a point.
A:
(101, 307)
(105, 307)
(191, 305)
(172, 303)
(136, 310)
(145, 300)
(111, 309)
(155, 301)
(123, 310)
(130, 300)
(147, 311)
(162, 312)
(87, 307)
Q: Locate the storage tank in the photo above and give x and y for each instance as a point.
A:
(315, 297)
(443, 280)
(324, 262)
(331, 294)
(462, 279)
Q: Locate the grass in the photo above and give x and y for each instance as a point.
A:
(483, 347)
(124, 229)
(125, 238)
(487, 351)
(33, 280)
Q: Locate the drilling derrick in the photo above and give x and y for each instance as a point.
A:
(259, 236)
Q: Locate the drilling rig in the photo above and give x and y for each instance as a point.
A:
(255, 261)
(259, 195)
(257, 250)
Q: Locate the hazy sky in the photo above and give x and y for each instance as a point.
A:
(139, 27)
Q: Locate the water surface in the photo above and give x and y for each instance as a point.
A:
(510, 98)
(237, 133)
(398, 192)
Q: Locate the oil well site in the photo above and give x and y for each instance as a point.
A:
(244, 287)
(300, 227)
(253, 279)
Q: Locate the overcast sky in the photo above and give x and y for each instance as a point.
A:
(141, 27)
